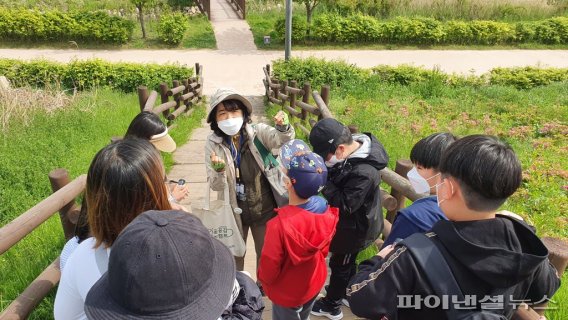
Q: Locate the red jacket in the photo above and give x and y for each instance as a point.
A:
(292, 266)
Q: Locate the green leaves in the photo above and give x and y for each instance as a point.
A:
(91, 74)
(33, 25)
(172, 27)
(360, 28)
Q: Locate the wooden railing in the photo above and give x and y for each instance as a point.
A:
(185, 94)
(240, 7)
(62, 200)
(205, 7)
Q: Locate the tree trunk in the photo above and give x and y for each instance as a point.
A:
(141, 18)
(309, 11)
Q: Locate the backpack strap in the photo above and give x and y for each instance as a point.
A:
(267, 157)
(435, 267)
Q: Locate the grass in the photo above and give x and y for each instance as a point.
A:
(534, 122)
(66, 138)
(198, 36)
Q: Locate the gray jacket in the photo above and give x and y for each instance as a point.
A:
(271, 138)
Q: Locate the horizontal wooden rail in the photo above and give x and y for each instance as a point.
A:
(26, 302)
(14, 231)
(309, 108)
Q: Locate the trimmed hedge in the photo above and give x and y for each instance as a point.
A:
(337, 73)
(88, 74)
(358, 28)
(34, 25)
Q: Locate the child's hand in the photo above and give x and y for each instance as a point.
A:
(217, 163)
(385, 251)
(281, 119)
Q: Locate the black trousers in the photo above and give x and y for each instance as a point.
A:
(343, 268)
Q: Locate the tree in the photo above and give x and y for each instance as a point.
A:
(310, 6)
(140, 5)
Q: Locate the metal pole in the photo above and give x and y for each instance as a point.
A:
(288, 33)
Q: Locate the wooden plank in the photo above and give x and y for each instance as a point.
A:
(24, 304)
(18, 228)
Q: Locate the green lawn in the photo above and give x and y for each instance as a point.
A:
(66, 138)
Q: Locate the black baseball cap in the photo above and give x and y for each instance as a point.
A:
(324, 135)
(164, 265)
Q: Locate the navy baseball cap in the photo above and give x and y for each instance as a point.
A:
(308, 174)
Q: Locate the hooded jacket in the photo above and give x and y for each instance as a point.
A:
(271, 138)
(498, 257)
(292, 266)
(353, 187)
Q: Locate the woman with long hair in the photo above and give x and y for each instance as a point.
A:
(124, 179)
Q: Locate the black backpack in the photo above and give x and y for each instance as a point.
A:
(441, 278)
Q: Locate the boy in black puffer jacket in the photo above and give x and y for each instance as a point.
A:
(497, 261)
(354, 161)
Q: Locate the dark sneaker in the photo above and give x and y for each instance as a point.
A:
(324, 308)
(344, 301)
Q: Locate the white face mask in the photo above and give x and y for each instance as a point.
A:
(437, 192)
(332, 161)
(231, 126)
(418, 182)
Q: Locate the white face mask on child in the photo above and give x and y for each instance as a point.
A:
(332, 161)
(418, 182)
(231, 126)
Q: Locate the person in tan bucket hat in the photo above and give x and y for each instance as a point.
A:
(148, 126)
(237, 155)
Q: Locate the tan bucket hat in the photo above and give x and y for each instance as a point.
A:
(223, 94)
(163, 142)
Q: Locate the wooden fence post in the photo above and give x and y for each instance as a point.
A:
(58, 179)
(402, 167)
(142, 97)
(325, 98)
(164, 98)
(306, 98)
(185, 83)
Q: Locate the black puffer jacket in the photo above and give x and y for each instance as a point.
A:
(498, 257)
(353, 187)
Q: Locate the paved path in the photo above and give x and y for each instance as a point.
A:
(231, 32)
(242, 70)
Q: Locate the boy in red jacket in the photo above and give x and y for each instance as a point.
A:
(292, 266)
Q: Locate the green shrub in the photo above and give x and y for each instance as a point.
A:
(172, 27)
(317, 71)
(527, 77)
(337, 73)
(359, 28)
(491, 32)
(553, 31)
(33, 25)
(525, 31)
(91, 73)
(299, 29)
